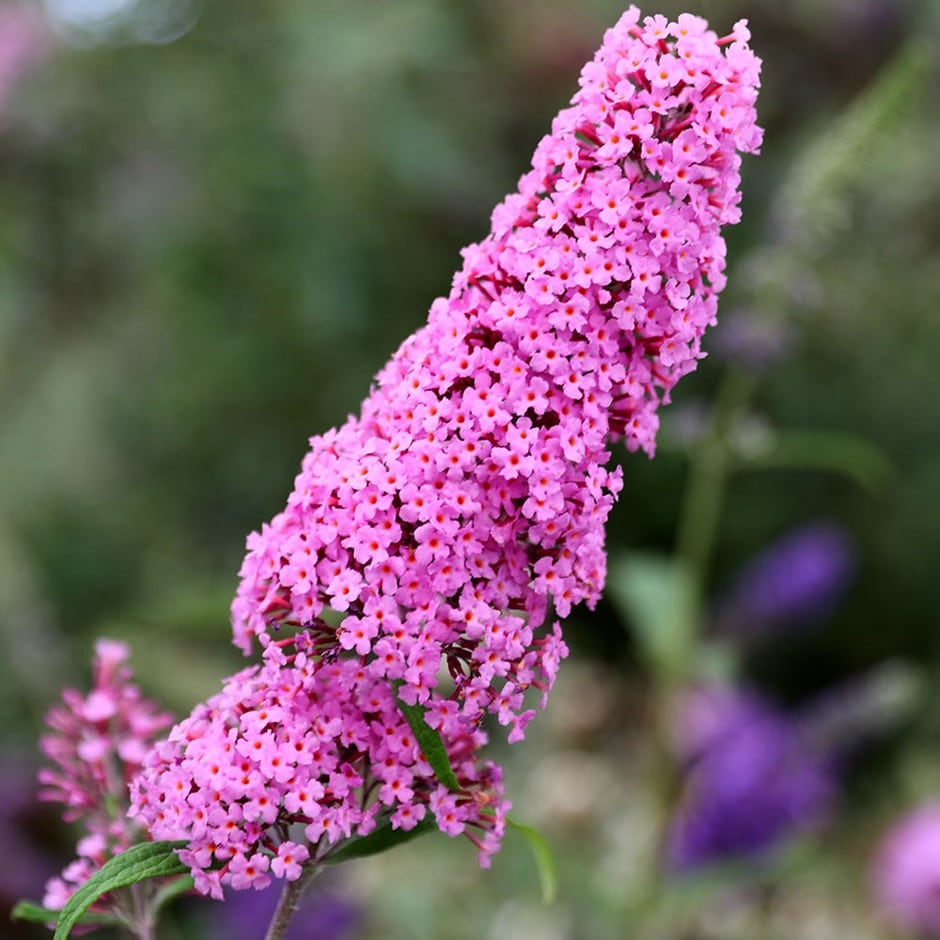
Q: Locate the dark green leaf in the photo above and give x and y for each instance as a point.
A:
(149, 860)
(27, 910)
(544, 861)
(172, 890)
(430, 743)
(382, 838)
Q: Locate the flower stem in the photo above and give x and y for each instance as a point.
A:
(289, 902)
(141, 921)
(708, 479)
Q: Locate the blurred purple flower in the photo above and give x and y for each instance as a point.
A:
(24, 42)
(323, 915)
(798, 581)
(752, 779)
(749, 340)
(906, 872)
(25, 829)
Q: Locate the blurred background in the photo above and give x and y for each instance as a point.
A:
(217, 221)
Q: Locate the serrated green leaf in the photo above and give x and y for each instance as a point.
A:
(37, 914)
(148, 860)
(655, 597)
(430, 743)
(381, 839)
(544, 860)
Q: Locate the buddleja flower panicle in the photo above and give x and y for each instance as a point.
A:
(433, 543)
(473, 485)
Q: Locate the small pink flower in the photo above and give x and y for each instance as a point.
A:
(250, 872)
(288, 862)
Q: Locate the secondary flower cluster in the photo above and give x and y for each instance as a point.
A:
(297, 755)
(797, 582)
(906, 871)
(430, 544)
(98, 743)
(754, 777)
(465, 507)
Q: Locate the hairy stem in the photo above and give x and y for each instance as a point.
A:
(140, 919)
(289, 902)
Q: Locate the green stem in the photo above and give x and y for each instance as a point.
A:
(289, 902)
(708, 477)
(697, 533)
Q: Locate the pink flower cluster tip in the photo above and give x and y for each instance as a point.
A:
(432, 544)
(98, 743)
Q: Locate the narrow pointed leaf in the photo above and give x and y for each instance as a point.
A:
(655, 597)
(813, 449)
(148, 860)
(544, 860)
(381, 839)
(37, 914)
(430, 743)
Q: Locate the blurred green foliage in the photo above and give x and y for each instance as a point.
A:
(209, 245)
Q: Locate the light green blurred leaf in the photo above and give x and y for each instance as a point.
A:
(544, 860)
(655, 597)
(812, 449)
(811, 201)
(37, 914)
(172, 890)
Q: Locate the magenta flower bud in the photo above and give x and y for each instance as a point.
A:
(24, 43)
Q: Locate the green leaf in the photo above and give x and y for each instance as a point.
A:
(430, 743)
(812, 449)
(148, 860)
(37, 914)
(655, 597)
(381, 839)
(544, 860)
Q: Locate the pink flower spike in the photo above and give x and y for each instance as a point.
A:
(433, 540)
(480, 456)
(97, 744)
